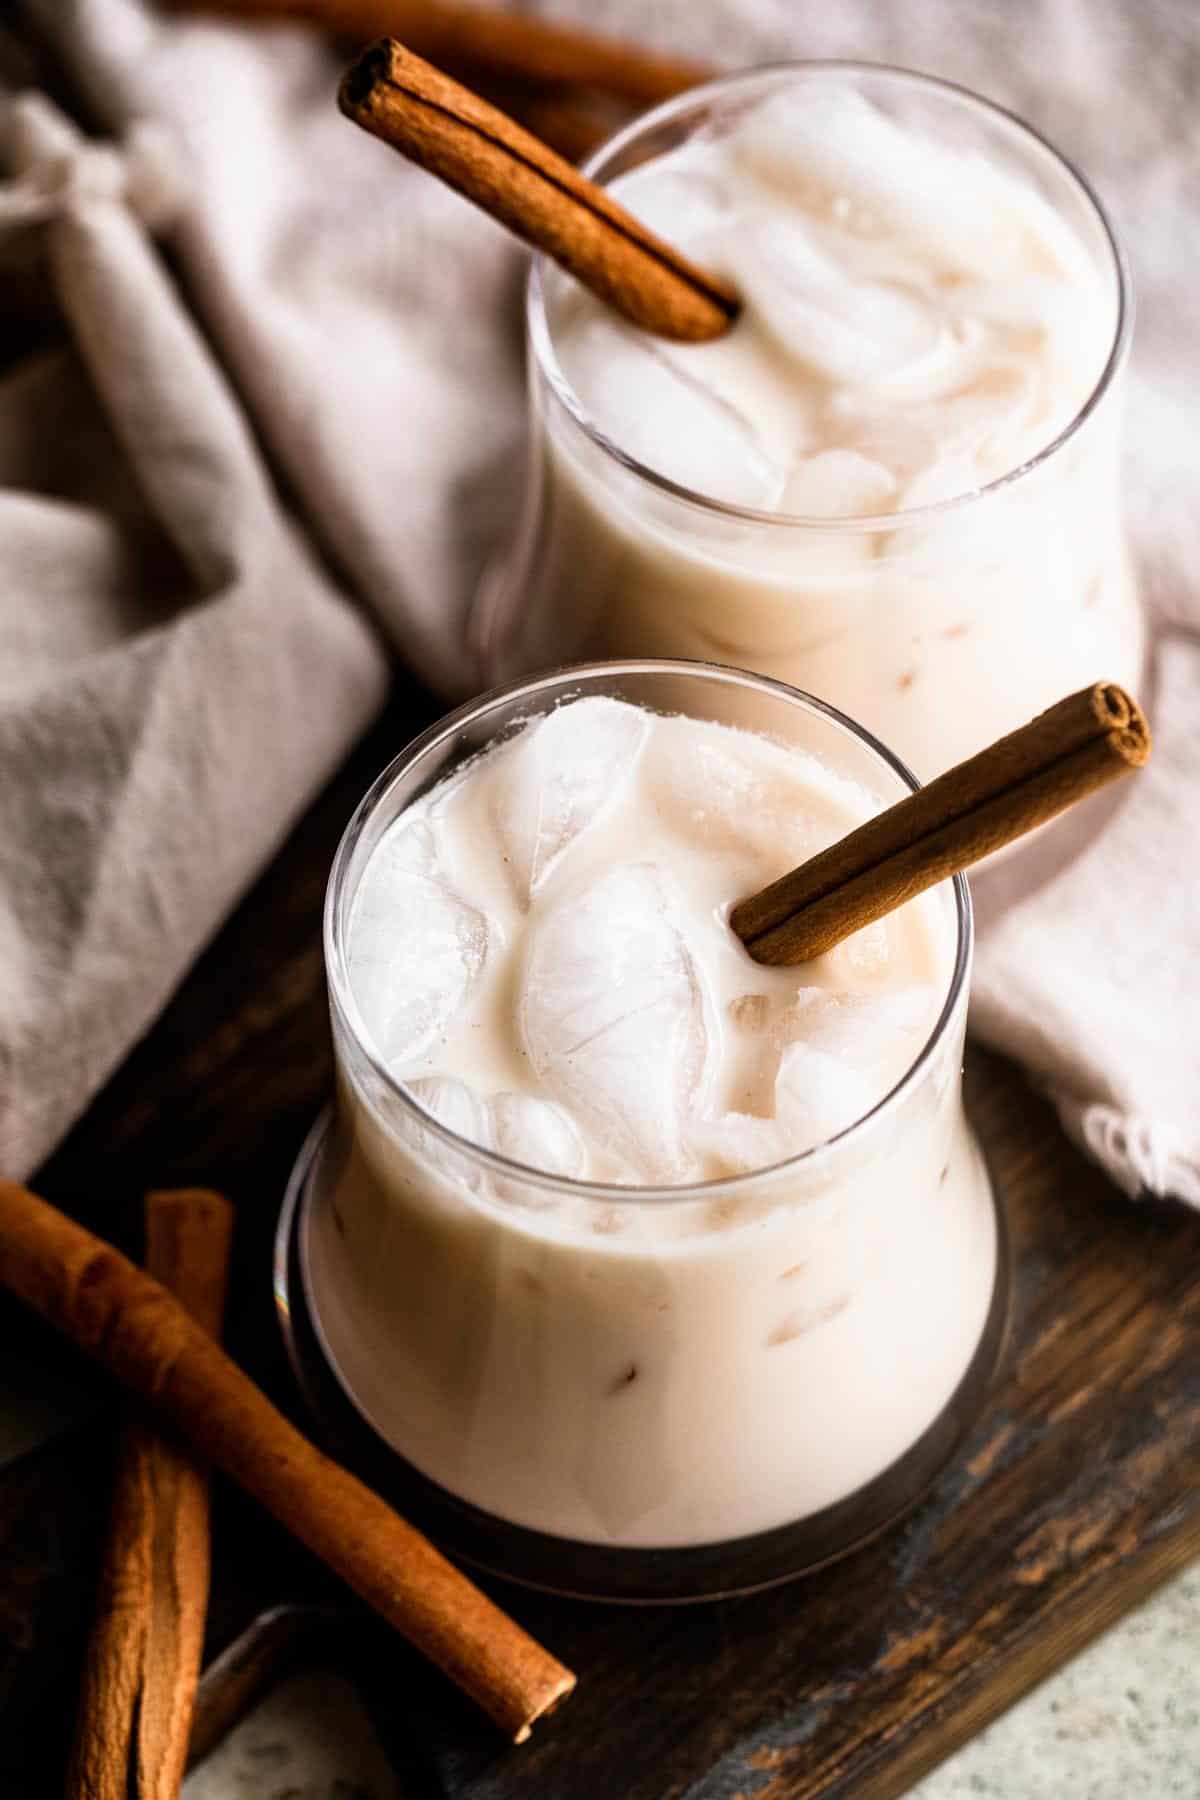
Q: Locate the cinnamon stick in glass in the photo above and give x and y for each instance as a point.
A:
(567, 122)
(523, 184)
(143, 1656)
(490, 42)
(1016, 784)
(145, 1339)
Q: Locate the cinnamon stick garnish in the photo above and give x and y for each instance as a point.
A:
(1016, 784)
(484, 42)
(143, 1657)
(145, 1339)
(567, 122)
(522, 183)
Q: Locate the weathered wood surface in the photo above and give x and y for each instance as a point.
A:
(1077, 1493)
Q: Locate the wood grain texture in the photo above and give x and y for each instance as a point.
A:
(1076, 1495)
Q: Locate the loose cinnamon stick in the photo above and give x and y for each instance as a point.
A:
(1016, 784)
(143, 1657)
(486, 42)
(512, 175)
(143, 1337)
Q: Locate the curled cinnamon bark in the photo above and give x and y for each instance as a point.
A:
(143, 1656)
(523, 184)
(1016, 784)
(145, 1339)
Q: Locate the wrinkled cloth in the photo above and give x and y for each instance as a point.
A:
(322, 405)
(178, 671)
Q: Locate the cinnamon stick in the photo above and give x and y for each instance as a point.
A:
(564, 121)
(522, 183)
(485, 42)
(1016, 784)
(143, 1657)
(145, 1339)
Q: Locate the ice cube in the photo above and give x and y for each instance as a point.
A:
(839, 484)
(1037, 307)
(726, 792)
(612, 1017)
(841, 158)
(1039, 237)
(860, 959)
(841, 1054)
(943, 478)
(818, 1094)
(952, 442)
(460, 1109)
(656, 405)
(839, 324)
(685, 203)
(1058, 328)
(901, 438)
(820, 144)
(828, 1059)
(416, 947)
(983, 431)
(737, 1144)
(537, 1133)
(410, 845)
(454, 1105)
(862, 1026)
(557, 778)
(994, 410)
(955, 356)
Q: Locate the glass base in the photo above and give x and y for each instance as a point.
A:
(585, 1570)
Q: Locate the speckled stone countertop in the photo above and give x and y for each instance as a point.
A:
(1121, 1722)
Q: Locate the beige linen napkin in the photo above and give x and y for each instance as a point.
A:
(367, 319)
(177, 671)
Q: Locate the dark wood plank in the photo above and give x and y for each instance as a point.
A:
(1077, 1493)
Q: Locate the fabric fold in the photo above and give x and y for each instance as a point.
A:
(196, 674)
(181, 661)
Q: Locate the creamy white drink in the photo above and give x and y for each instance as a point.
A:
(755, 1315)
(930, 303)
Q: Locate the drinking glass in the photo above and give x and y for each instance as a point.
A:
(939, 628)
(646, 1393)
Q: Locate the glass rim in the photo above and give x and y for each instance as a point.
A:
(541, 343)
(608, 1193)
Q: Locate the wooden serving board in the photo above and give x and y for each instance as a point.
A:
(1077, 1493)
